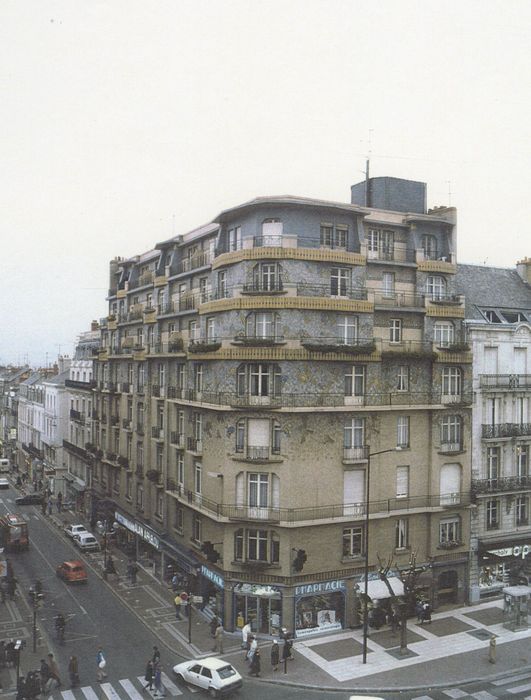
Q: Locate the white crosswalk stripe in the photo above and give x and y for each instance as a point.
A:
(169, 687)
(68, 695)
(89, 693)
(124, 689)
(109, 691)
(130, 689)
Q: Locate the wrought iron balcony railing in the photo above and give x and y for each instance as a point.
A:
(500, 484)
(505, 381)
(505, 430)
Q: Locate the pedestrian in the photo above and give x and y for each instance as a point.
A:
(157, 680)
(213, 625)
(426, 613)
(54, 676)
(44, 673)
(255, 664)
(59, 501)
(132, 570)
(101, 663)
(43, 505)
(175, 583)
(156, 655)
(177, 601)
(50, 505)
(11, 587)
(287, 652)
(218, 639)
(3, 589)
(73, 671)
(9, 650)
(418, 609)
(253, 646)
(275, 655)
(246, 631)
(148, 676)
(110, 568)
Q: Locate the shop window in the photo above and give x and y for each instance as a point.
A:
(352, 542)
(492, 509)
(402, 533)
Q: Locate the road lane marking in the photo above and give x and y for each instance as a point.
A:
(68, 695)
(109, 691)
(89, 693)
(170, 685)
(130, 689)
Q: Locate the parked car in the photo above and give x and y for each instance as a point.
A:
(72, 530)
(4, 483)
(30, 499)
(72, 572)
(86, 542)
(214, 675)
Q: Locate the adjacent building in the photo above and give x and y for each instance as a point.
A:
(498, 318)
(253, 370)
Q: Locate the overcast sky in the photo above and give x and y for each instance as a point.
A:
(124, 122)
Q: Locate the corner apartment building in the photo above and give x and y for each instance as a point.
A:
(10, 378)
(498, 319)
(250, 371)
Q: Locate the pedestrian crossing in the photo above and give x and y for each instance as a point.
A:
(517, 686)
(124, 689)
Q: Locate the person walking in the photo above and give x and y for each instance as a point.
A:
(218, 639)
(246, 631)
(253, 646)
(73, 671)
(59, 501)
(50, 506)
(53, 674)
(156, 655)
(148, 676)
(177, 601)
(101, 663)
(255, 664)
(44, 673)
(11, 587)
(214, 622)
(132, 570)
(157, 680)
(275, 655)
(287, 652)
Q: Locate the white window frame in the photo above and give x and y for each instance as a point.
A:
(395, 331)
(402, 481)
(435, 287)
(444, 333)
(402, 431)
(347, 329)
(340, 281)
(402, 533)
(450, 530)
(353, 541)
(402, 378)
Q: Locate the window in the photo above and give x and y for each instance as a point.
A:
(450, 484)
(140, 417)
(197, 424)
(388, 284)
(277, 434)
(259, 380)
(222, 284)
(140, 497)
(352, 541)
(266, 278)
(256, 545)
(141, 377)
(211, 330)
(493, 464)
(272, 230)
(334, 237)
(262, 325)
(402, 431)
(449, 530)
(380, 244)
(128, 487)
(402, 482)
(139, 455)
(395, 330)
(443, 334)
(402, 378)
(180, 467)
(522, 460)
(491, 316)
(161, 374)
(347, 330)
(198, 477)
(401, 534)
(436, 287)
(522, 510)
(180, 423)
(203, 289)
(451, 433)
(354, 439)
(451, 381)
(355, 381)
(197, 527)
(193, 330)
(181, 376)
(159, 505)
(178, 523)
(492, 513)
(258, 490)
(339, 281)
(235, 238)
(130, 373)
(198, 377)
(429, 247)
(240, 436)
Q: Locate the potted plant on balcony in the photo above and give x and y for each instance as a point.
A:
(203, 346)
(153, 475)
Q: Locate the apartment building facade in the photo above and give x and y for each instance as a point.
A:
(498, 319)
(249, 372)
(10, 378)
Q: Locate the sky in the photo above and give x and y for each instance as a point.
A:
(124, 122)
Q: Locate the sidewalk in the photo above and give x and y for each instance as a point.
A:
(452, 649)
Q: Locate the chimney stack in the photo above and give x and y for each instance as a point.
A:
(523, 267)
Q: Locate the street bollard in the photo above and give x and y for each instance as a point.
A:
(492, 649)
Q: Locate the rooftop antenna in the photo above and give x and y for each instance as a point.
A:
(367, 170)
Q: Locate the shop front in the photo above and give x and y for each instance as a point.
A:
(319, 607)
(142, 542)
(213, 592)
(259, 605)
(503, 564)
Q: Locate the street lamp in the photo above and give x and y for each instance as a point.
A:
(366, 547)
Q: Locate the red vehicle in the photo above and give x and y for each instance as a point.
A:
(72, 572)
(14, 535)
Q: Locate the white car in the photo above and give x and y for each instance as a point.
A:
(4, 483)
(86, 542)
(214, 675)
(72, 530)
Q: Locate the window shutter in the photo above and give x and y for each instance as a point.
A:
(275, 491)
(402, 481)
(353, 492)
(258, 432)
(450, 483)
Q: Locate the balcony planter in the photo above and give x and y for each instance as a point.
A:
(453, 544)
(153, 475)
(409, 355)
(200, 346)
(123, 461)
(90, 447)
(457, 347)
(98, 454)
(176, 345)
(365, 349)
(253, 341)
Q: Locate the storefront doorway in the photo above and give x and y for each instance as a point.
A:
(260, 606)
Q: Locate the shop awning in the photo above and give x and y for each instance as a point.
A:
(379, 590)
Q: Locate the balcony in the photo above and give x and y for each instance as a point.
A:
(340, 511)
(257, 341)
(505, 381)
(176, 438)
(445, 299)
(355, 454)
(504, 483)
(115, 420)
(78, 451)
(157, 433)
(259, 287)
(392, 253)
(75, 384)
(339, 290)
(76, 415)
(111, 456)
(193, 263)
(258, 452)
(450, 447)
(394, 300)
(505, 430)
(198, 345)
(194, 445)
(350, 346)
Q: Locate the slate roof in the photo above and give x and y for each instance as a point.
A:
(491, 287)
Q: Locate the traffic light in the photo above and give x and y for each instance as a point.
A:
(300, 560)
(208, 549)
